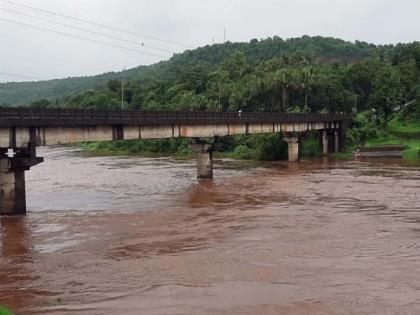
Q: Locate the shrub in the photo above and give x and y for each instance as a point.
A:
(311, 147)
(243, 152)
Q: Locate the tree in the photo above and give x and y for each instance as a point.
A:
(114, 85)
(42, 103)
(387, 91)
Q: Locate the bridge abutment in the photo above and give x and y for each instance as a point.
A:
(294, 147)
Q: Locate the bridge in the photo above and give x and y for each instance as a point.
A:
(22, 130)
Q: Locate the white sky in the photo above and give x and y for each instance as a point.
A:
(37, 53)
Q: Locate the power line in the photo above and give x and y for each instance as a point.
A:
(7, 74)
(87, 30)
(96, 24)
(83, 38)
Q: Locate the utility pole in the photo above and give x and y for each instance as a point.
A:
(220, 98)
(224, 36)
(122, 94)
(122, 90)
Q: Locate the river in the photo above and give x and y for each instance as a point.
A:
(135, 235)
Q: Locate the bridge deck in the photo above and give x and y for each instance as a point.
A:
(22, 117)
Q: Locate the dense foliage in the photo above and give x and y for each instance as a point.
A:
(308, 73)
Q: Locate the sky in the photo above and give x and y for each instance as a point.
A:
(47, 52)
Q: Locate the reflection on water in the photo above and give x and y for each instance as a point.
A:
(16, 255)
(131, 235)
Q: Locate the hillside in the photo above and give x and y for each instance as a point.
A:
(320, 48)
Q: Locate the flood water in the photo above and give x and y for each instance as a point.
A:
(132, 235)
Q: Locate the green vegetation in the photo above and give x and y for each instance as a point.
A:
(413, 145)
(5, 311)
(176, 146)
(311, 147)
(406, 123)
(403, 128)
(184, 77)
(307, 74)
(245, 147)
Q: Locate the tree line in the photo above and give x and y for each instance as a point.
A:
(324, 75)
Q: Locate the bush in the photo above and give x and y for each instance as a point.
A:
(177, 145)
(311, 147)
(270, 148)
(243, 152)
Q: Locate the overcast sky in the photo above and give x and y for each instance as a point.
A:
(37, 53)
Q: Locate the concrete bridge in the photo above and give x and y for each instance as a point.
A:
(22, 130)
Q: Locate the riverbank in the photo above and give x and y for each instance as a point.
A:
(402, 129)
(413, 145)
(400, 132)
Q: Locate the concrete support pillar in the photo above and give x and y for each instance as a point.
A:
(205, 165)
(12, 184)
(294, 147)
(336, 141)
(204, 157)
(12, 191)
(324, 141)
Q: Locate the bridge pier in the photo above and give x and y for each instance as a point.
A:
(324, 142)
(205, 165)
(204, 157)
(12, 190)
(12, 184)
(294, 146)
(339, 139)
(330, 141)
(12, 173)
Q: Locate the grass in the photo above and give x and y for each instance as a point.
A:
(407, 129)
(5, 311)
(413, 145)
(403, 129)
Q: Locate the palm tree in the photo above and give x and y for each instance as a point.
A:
(306, 81)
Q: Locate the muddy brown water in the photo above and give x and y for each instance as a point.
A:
(132, 235)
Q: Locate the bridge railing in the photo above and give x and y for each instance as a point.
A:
(30, 116)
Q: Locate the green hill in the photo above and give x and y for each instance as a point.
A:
(320, 48)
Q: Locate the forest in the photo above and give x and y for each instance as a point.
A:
(380, 85)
